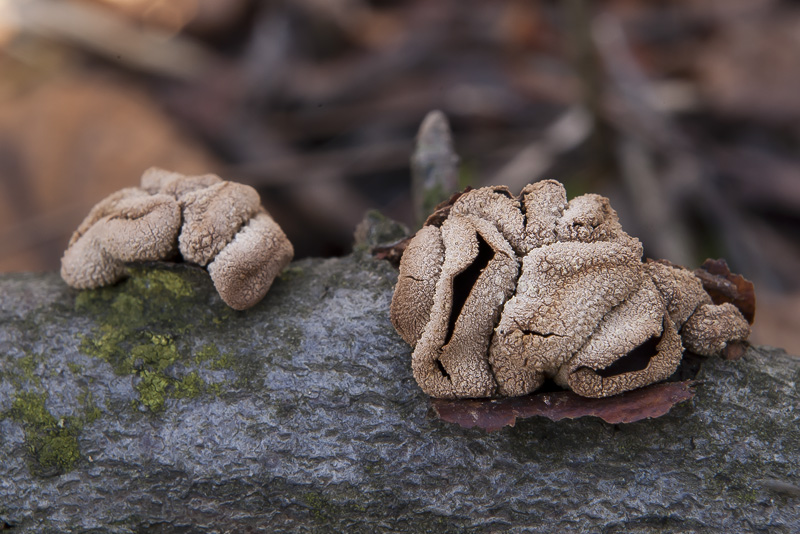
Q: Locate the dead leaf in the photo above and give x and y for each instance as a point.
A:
(442, 210)
(493, 414)
(734, 350)
(724, 286)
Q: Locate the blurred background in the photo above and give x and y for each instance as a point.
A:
(685, 113)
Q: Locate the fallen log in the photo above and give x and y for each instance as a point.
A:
(150, 406)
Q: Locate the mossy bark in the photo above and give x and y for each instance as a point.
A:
(152, 407)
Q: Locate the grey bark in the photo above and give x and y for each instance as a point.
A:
(303, 416)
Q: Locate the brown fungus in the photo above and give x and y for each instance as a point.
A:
(211, 218)
(244, 269)
(501, 293)
(127, 226)
(209, 221)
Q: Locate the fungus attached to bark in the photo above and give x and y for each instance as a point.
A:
(244, 269)
(209, 221)
(127, 226)
(500, 293)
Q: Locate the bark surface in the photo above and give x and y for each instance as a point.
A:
(151, 406)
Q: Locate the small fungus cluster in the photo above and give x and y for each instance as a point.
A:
(497, 293)
(214, 223)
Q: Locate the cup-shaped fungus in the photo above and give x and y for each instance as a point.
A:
(211, 222)
(498, 293)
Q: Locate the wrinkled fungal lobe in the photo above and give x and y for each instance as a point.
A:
(508, 292)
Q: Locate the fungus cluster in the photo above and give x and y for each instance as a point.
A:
(214, 223)
(497, 293)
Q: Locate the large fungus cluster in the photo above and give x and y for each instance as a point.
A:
(214, 223)
(498, 293)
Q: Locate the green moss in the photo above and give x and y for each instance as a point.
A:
(152, 390)
(318, 505)
(328, 509)
(53, 443)
(22, 372)
(189, 387)
(207, 352)
(91, 412)
(148, 295)
(74, 368)
(210, 355)
(157, 355)
(27, 365)
(215, 388)
(161, 282)
(142, 324)
(29, 408)
(290, 273)
(151, 360)
(107, 345)
(747, 496)
(58, 450)
(223, 361)
(128, 306)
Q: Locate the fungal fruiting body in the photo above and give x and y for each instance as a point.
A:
(208, 221)
(498, 293)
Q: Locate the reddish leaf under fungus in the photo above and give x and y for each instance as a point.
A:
(492, 415)
(734, 350)
(724, 286)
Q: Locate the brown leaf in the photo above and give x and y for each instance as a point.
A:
(724, 286)
(734, 350)
(494, 414)
(442, 210)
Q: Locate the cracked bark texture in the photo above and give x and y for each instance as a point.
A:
(301, 415)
